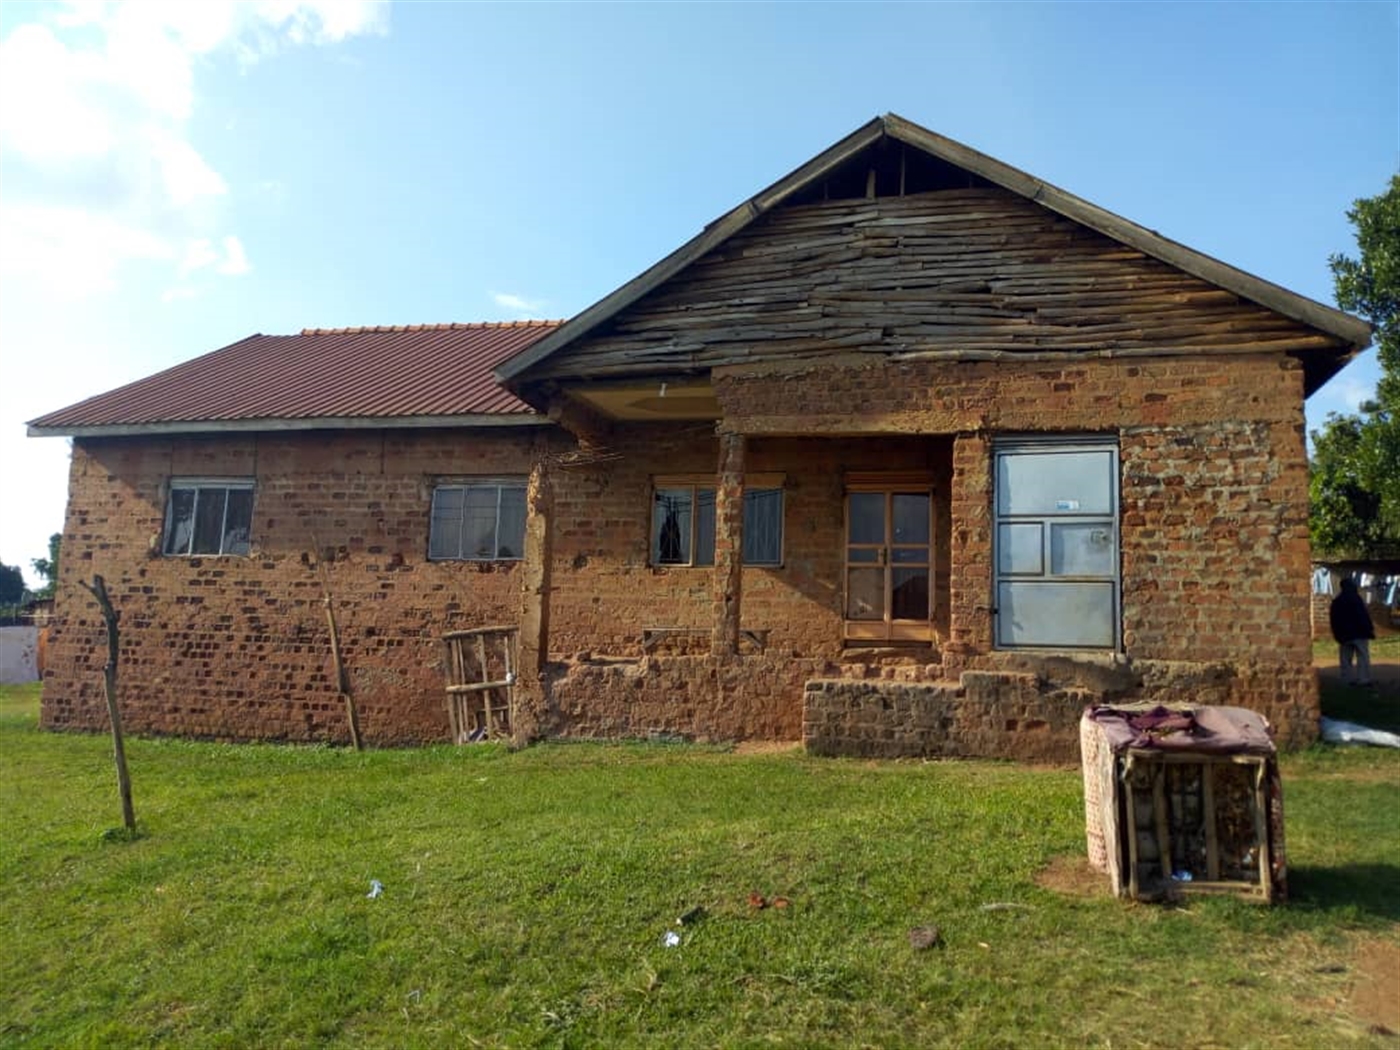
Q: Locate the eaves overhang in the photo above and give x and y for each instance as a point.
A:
(167, 428)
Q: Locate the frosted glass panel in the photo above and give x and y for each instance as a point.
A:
(1055, 614)
(1020, 548)
(1081, 549)
(1048, 483)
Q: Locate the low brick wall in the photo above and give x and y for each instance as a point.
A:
(1029, 709)
(982, 715)
(693, 697)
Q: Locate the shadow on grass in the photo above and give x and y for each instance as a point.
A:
(1368, 889)
(1374, 708)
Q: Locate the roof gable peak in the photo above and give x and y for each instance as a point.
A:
(946, 156)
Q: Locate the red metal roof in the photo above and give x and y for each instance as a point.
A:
(390, 373)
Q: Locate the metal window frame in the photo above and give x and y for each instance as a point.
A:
(1059, 443)
(500, 484)
(198, 485)
(758, 483)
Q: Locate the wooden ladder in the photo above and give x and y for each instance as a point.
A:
(480, 683)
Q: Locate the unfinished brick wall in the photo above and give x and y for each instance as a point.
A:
(238, 647)
(604, 591)
(1214, 548)
(1213, 543)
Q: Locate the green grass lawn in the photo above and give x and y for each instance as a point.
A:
(526, 897)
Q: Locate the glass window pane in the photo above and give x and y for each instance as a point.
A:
(238, 522)
(510, 535)
(670, 527)
(863, 554)
(909, 594)
(1082, 548)
(909, 555)
(1034, 612)
(867, 510)
(479, 522)
(704, 526)
(445, 525)
(1055, 482)
(179, 528)
(865, 594)
(209, 521)
(909, 514)
(763, 526)
(1020, 548)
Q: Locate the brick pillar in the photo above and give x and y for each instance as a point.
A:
(729, 545)
(970, 576)
(530, 699)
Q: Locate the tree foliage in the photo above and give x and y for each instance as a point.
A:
(1355, 479)
(11, 585)
(48, 567)
(1370, 286)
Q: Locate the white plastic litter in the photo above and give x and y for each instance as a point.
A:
(672, 939)
(376, 889)
(1336, 732)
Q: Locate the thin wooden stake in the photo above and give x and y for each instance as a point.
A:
(98, 589)
(342, 681)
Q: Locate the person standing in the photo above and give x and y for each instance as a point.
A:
(1353, 630)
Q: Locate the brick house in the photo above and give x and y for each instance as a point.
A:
(910, 453)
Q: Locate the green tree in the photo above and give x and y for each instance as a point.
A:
(48, 567)
(1355, 479)
(11, 585)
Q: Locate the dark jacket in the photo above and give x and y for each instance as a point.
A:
(1350, 618)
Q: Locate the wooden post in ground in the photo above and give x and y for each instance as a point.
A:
(729, 546)
(528, 710)
(98, 589)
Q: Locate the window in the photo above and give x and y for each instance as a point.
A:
(889, 556)
(1056, 544)
(683, 525)
(208, 517)
(478, 521)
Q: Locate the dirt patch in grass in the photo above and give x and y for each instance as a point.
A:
(1072, 876)
(1375, 994)
(766, 747)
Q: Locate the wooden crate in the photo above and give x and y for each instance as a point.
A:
(1169, 821)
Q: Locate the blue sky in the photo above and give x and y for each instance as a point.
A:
(175, 176)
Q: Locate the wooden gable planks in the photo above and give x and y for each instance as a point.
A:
(941, 272)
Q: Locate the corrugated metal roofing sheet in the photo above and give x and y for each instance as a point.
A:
(389, 373)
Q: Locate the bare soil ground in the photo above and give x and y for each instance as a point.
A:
(1375, 994)
(1385, 663)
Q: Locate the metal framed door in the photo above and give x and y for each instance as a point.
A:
(1056, 544)
(889, 564)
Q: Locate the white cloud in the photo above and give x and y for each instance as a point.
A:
(95, 102)
(522, 308)
(235, 262)
(79, 251)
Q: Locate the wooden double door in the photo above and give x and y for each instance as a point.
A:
(889, 562)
